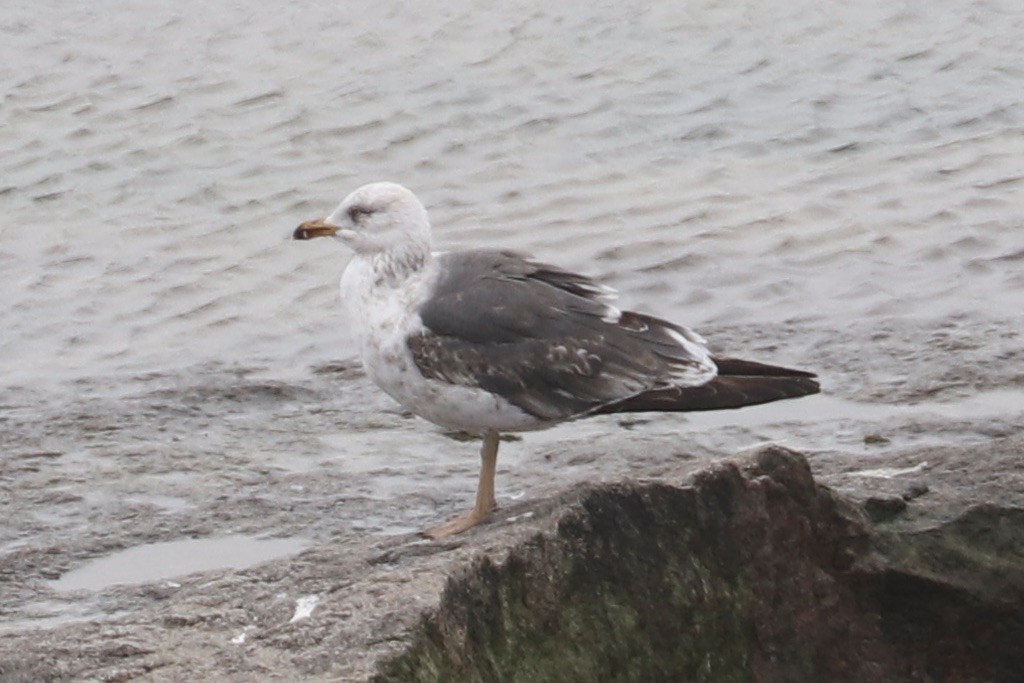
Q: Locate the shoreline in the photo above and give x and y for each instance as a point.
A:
(366, 596)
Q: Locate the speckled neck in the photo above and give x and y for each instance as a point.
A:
(396, 265)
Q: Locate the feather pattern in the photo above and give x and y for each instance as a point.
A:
(546, 339)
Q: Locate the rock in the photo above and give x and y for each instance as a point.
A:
(750, 574)
(884, 508)
(914, 491)
(748, 571)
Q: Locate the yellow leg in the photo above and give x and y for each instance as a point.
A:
(484, 493)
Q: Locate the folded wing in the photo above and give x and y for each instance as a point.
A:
(547, 340)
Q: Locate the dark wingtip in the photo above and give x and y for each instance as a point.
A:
(300, 233)
(721, 393)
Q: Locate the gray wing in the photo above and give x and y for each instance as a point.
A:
(546, 339)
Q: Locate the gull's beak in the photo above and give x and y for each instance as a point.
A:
(314, 228)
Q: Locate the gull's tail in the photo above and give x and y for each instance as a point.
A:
(738, 383)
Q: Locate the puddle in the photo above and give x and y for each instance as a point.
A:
(822, 407)
(890, 472)
(49, 614)
(158, 561)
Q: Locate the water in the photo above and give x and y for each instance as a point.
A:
(72, 597)
(826, 185)
(157, 561)
(718, 162)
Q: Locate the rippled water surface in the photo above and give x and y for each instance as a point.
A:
(719, 162)
(838, 186)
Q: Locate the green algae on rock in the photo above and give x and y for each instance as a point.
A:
(752, 573)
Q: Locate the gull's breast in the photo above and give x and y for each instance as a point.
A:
(383, 318)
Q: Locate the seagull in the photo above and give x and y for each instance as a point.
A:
(492, 341)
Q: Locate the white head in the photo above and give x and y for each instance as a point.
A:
(376, 218)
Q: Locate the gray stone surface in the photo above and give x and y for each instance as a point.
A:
(748, 570)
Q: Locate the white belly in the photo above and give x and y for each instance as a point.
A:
(383, 317)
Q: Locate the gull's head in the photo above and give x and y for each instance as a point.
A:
(378, 217)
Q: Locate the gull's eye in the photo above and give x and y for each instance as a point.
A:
(357, 213)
